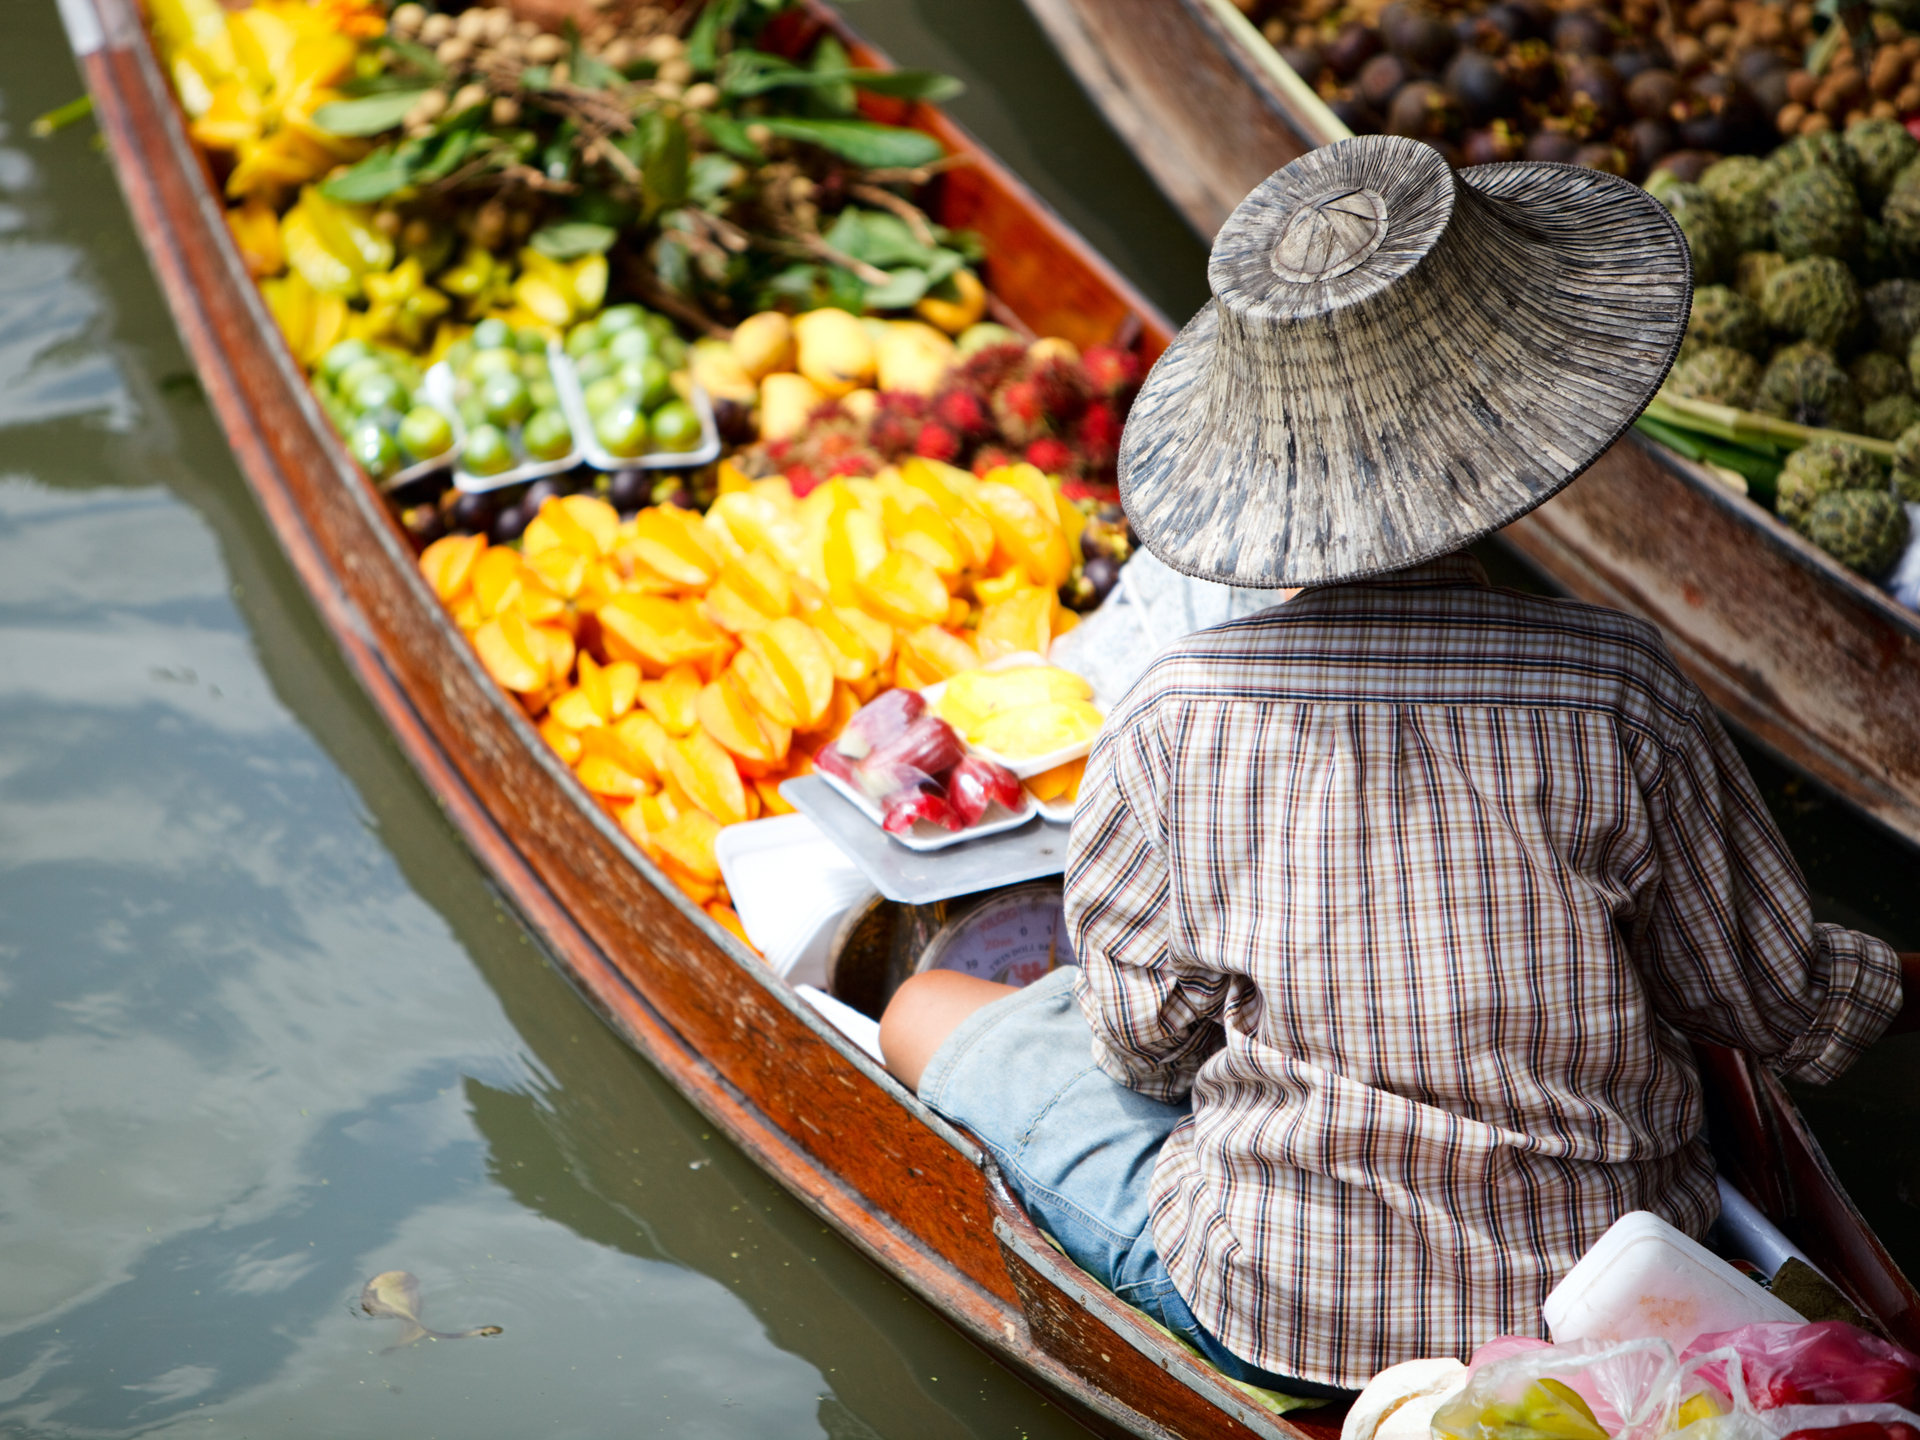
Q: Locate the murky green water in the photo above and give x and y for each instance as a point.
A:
(265, 1030)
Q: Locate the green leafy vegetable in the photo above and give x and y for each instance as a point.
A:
(861, 141)
(754, 72)
(905, 287)
(731, 136)
(376, 177)
(367, 116)
(570, 239)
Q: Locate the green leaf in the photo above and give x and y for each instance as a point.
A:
(570, 239)
(905, 287)
(830, 99)
(367, 116)
(889, 242)
(711, 176)
(754, 72)
(731, 136)
(928, 85)
(376, 177)
(658, 146)
(861, 141)
(416, 55)
(703, 45)
(454, 147)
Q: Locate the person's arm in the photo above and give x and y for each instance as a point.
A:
(1152, 1013)
(1908, 1020)
(1728, 945)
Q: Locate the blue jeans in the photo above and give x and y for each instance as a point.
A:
(1077, 1148)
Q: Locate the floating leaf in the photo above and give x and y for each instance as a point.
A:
(861, 141)
(369, 115)
(570, 239)
(395, 1295)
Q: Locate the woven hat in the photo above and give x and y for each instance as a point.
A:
(1397, 360)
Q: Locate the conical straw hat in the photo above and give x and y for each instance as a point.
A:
(1397, 360)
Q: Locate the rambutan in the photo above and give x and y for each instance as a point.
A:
(803, 481)
(1097, 432)
(896, 423)
(1020, 408)
(937, 442)
(1055, 457)
(991, 457)
(965, 412)
(1061, 385)
(854, 462)
(1111, 373)
(985, 371)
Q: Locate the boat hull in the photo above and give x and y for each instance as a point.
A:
(907, 1189)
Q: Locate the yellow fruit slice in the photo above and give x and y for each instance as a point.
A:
(726, 715)
(609, 741)
(1037, 729)
(645, 735)
(511, 654)
(756, 678)
(575, 710)
(1061, 782)
(565, 743)
(670, 699)
(798, 658)
(1029, 537)
(903, 590)
(940, 652)
(604, 777)
(448, 564)
(706, 773)
(657, 633)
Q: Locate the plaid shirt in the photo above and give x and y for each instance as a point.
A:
(1418, 886)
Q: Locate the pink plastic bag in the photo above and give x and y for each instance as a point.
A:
(1831, 1363)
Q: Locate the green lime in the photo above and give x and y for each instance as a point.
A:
(425, 433)
(634, 344)
(675, 427)
(504, 399)
(377, 392)
(544, 394)
(472, 413)
(492, 334)
(620, 317)
(602, 393)
(492, 362)
(657, 388)
(356, 374)
(593, 366)
(530, 340)
(673, 351)
(622, 429)
(373, 447)
(534, 367)
(487, 451)
(348, 352)
(583, 337)
(457, 356)
(548, 436)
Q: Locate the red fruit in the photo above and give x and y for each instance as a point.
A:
(964, 413)
(1020, 407)
(985, 371)
(880, 720)
(1097, 433)
(802, 480)
(896, 424)
(912, 805)
(991, 457)
(937, 442)
(1111, 372)
(1104, 494)
(855, 462)
(1062, 387)
(976, 784)
(1055, 457)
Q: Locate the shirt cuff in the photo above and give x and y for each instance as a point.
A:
(1862, 996)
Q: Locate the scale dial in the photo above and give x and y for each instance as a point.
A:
(1013, 936)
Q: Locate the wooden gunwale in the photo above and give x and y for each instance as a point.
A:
(1815, 664)
(899, 1183)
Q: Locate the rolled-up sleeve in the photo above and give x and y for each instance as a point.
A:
(1152, 1013)
(1730, 949)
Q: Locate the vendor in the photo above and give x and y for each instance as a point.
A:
(1398, 903)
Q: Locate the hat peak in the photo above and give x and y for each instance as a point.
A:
(1331, 234)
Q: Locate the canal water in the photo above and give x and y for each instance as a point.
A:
(265, 1029)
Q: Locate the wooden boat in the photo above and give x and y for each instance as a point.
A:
(909, 1190)
(1814, 663)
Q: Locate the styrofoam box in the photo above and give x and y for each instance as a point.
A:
(790, 886)
(1644, 1279)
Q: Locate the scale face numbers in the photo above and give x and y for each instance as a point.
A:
(1014, 937)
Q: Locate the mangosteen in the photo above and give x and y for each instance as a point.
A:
(629, 490)
(1686, 165)
(1651, 139)
(473, 514)
(1769, 91)
(1754, 62)
(1593, 77)
(1529, 65)
(1417, 35)
(541, 491)
(510, 524)
(421, 490)
(1512, 21)
(1352, 112)
(1552, 145)
(1634, 61)
(1721, 115)
(1609, 158)
(1304, 60)
(423, 523)
(1102, 574)
(1424, 111)
(1582, 32)
(1651, 93)
(734, 418)
(1351, 48)
(1480, 87)
(1378, 81)
(1489, 146)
